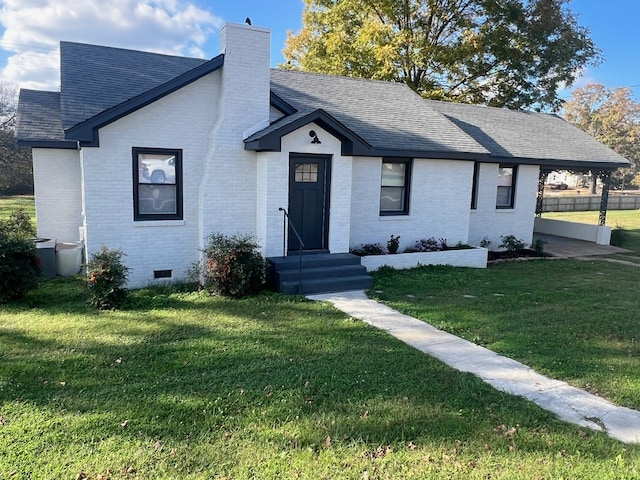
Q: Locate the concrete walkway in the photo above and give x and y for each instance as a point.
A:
(569, 403)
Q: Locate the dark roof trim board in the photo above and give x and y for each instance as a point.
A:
(281, 105)
(270, 139)
(87, 132)
(557, 163)
(57, 144)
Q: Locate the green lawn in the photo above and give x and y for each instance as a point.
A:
(8, 205)
(182, 385)
(572, 320)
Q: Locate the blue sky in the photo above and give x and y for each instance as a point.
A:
(31, 29)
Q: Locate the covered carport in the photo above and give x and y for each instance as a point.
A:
(600, 233)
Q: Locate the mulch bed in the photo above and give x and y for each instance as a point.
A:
(524, 253)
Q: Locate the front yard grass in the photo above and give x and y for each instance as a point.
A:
(9, 204)
(181, 385)
(572, 320)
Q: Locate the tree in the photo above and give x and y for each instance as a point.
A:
(612, 117)
(510, 53)
(16, 167)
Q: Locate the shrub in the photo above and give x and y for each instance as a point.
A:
(618, 236)
(233, 266)
(19, 262)
(485, 242)
(368, 249)
(393, 244)
(107, 275)
(538, 246)
(510, 243)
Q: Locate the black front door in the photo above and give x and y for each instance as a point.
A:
(309, 201)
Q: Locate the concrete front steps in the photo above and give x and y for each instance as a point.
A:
(321, 273)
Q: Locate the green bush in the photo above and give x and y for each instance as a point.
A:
(618, 236)
(511, 244)
(106, 277)
(233, 266)
(19, 262)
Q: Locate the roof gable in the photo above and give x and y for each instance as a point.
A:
(95, 78)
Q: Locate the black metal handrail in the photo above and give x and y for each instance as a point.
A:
(287, 223)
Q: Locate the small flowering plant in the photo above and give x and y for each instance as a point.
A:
(368, 249)
(106, 277)
(431, 244)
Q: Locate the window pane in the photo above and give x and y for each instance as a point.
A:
(503, 198)
(156, 168)
(505, 176)
(155, 199)
(393, 174)
(392, 199)
(306, 173)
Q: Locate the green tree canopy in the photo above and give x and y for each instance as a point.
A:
(16, 167)
(511, 53)
(612, 116)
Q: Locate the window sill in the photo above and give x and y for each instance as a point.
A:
(159, 223)
(389, 218)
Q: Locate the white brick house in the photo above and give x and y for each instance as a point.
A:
(353, 161)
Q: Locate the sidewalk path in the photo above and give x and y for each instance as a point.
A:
(569, 403)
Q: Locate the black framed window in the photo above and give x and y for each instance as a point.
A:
(394, 187)
(474, 188)
(505, 197)
(157, 184)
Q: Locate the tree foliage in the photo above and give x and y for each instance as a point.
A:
(612, 117)
(16, 167)
(511, 53)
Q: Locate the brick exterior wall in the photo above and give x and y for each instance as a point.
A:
(171, 122)
(57, 180)
(488, 221)
(440, 193)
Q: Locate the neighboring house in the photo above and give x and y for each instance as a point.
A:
(152, 153)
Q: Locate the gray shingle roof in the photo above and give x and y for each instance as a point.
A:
(39, 116)
(100, 84)
(388, 116)
(528, 136)
(95, 78)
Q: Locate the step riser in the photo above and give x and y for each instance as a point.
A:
(327, 285)
(320, 273)
(313, 261)
(330, 272)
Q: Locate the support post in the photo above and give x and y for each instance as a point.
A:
(605, 175)
(542, 178)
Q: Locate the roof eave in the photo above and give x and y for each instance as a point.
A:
(563, 164)
(57, 144)
(87, 132)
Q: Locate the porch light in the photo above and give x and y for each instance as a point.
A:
(314, 135)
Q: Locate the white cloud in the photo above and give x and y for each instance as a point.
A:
(34, 28)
